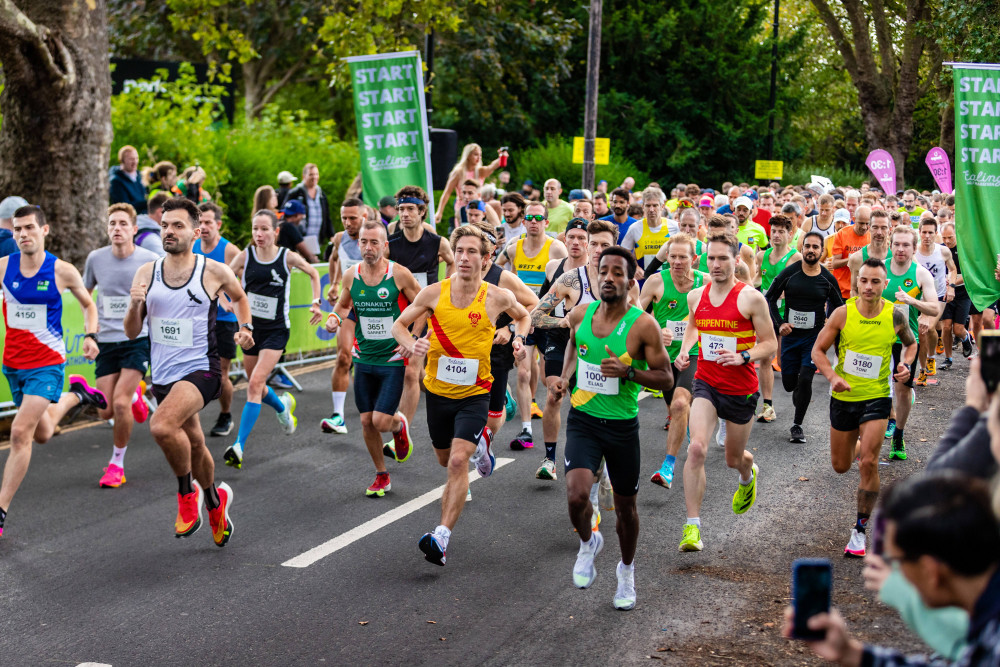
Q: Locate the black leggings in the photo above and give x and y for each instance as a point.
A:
(801, 386)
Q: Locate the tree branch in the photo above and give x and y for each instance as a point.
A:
(278, 85)
(839, 38)
(883, 36)
(856, 16)
(15, 25)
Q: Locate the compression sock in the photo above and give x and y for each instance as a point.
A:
(862, 522)
(211, 497)
(249, 417)
(118, 456)
(184, 485)
(271, 399)
(338, 402)
(550, 451)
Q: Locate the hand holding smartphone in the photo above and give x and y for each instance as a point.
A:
(812, 584)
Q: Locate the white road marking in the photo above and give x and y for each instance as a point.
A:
(93, 664)
(367, 528)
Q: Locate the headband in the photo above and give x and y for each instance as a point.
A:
(411, 200)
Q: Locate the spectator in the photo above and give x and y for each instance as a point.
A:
(148, 234)
(8, 246)
(620, 214)
(602, 187)
(469, 167)
(387, 209)
(290, 230)
(285, 180)
(190, 185)
(162, 176)
(488, 192)
(125, 184)
(265, 199)
(528, 191)
(965, 445)
(317, 227)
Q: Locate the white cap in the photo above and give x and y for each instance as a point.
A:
(286, 177)
(9, 205)
(842, 214)
(743, 201)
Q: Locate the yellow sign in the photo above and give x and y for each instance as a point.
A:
(602, 150)
(769, 169)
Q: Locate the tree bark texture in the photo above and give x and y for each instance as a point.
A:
(56, 107)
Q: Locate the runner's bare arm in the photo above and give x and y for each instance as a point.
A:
(753, 305)
(746, 254)
(421, 307)
(757, 277)
(541, 315)
(136, 313)
(228, 283)
(558, 250)
(519, 314)
(633, 291)
(825, 340)
(854, 264)
(70, 279)
(405, 281)
(232, 250)
(561, 384)
(927, 304)
(491, 216)
(342, 307)
(524, 295)
(295, 261)
(949, 261)
(652, 291)
(333, 269)
(900, 321)
(447, 256)
(504, 257)
(238, 263)
(649, 346)
(691, 332)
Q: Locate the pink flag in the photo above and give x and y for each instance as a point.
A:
(940, 166)
(883, 167)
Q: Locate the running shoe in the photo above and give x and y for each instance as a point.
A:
(625, 595)
(921, 380)
(796, 434)
(720, 435)
(605, 492)
(932, 366)
(595, 519)
(218, 519)
(403, 445)
(140, 411)
(379, 486)
(233, 456)
(88, 395)
(666, 427)
(775, 366)
(655, 393)
(114, 476)
(483, 457)
(3, 517)
(940, 346)
(947, 364)
(691, 539)
(766, 414)
(546, 471)
(664, 476)
(189, 511)
(431, 546)
(389, 449)
(746, 494)
(468, 494)
(856, 546)
(333, 424)
(898, 450)
(584, 571)
(289, 422)
(280, 381)
(536, 412)
(967, 346)
(522, 441)
(510, 405)
(890, 429)
(223, 425)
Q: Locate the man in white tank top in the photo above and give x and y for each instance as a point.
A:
(821, 223)
(179, 295)
(937, 259)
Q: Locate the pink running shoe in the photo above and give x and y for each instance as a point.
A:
(114, 476)
(88, 395)
(140, 411)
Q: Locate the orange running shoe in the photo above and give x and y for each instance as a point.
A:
(536, 412)
(218, 519)
(776, 366)
(189, 511)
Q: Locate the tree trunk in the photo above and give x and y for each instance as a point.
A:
(56, 106)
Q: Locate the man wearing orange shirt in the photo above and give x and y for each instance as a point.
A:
(848, 240)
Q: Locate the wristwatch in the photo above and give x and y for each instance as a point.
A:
(630, 374)
(511, 327)
(248, 326)
(746, 357)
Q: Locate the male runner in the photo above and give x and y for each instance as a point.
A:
(461, 311)
(344, 254)
(769, 264)
(666, 292)
(810, 292)
(733, 326)
(911, 285)
(34, 354)
(377, 290)
(179, 294)
(879, 228)
(844, 243)
(121, 363)
(822, 222)
(937, 259)
(866, 327)
(619, 211)
(645, 238)
(613, 349)
(956, 311)
(748, 232)
(265, 272)
(211, 244)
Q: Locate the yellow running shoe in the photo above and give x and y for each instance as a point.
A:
(746, 494)
(691, 541)
(536, 412)
(932, 366)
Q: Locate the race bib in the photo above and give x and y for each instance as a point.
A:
(172, 332)
(590, 378)
(801, 320)
(376, 328)
(711, 345)
(868, 366)
(421, 279)
(30, 316)
(115, 307)
(264, 307)
(678, 329)
(457, 371)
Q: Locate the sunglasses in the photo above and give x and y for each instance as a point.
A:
(536, 218)
(684, 204)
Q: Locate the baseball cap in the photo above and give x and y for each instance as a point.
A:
(842, 214)
(286, 177)
(706, 202)
(742, 201)
(294, 207)
(577, 223)
(529, 182)
(388, 200)
(476, 204)
(575, 194)
(11, 204)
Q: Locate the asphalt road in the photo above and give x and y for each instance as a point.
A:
(96, 575)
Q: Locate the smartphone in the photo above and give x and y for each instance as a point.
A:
(877, 523)
(812, 583)
(989, 358)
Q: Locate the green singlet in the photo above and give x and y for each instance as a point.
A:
(673, 308)
(768, 272)
(376, 307)
(595, 394)
(865, 255)
(908, 283)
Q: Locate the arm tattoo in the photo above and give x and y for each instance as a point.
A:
(540, 317)
(901, 321)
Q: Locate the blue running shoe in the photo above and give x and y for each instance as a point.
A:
(890, 430)
(510, 406)
(432, 549)
(664, 476)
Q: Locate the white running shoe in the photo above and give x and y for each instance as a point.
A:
(289, 422)
(625, 595)
(468, 495)
(856, 547)
(584, 571)
(720, 435)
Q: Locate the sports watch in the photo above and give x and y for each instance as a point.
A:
(746, 357)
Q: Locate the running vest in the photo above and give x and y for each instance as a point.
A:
(267, 286)
(559, 337)
(458, 362)
(724, 328)
(865, 254)
(864, 356)
(829, 231)
(595, 394)
(672, 310)
(32, 313)
(650, 242)
(702, 250)
(531, 270)
(377, 307)
(938, 268)
(348, 253)
(493, 278)
(768, 271)
(181, 326)
(420, 256)
(908, 283)
(219, 255)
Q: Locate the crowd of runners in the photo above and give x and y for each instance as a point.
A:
(694, 296)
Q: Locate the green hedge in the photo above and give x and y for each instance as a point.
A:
(554, 159)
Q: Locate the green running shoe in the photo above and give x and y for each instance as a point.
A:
(746, 494)
(510, 405)
(890, 429)
(691, 541)
(898, 450)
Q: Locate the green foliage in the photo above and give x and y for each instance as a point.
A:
(554, 159)
(800, 173)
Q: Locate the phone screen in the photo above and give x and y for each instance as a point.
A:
(812, 581)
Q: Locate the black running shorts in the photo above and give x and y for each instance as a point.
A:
(738, 409)
(848, 416)
(589, 439)
(450, 418)
(208, 384)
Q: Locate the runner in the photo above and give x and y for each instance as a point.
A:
(734, 329)
(937, 259)
(867, 327)
(185, 361)
(377, 290)
(344, 255)
(956, 311)
(769, 264)
(614, 348)
(512, 205)
(458, 379)
(645, 238)
(844, 243)
(822, 222)
(265, 272)
(574, 282)
(34, 354)
(878, 248)
(211, 244)
(913, 286)
(810, 292)
(121, 363)
(666, 292)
